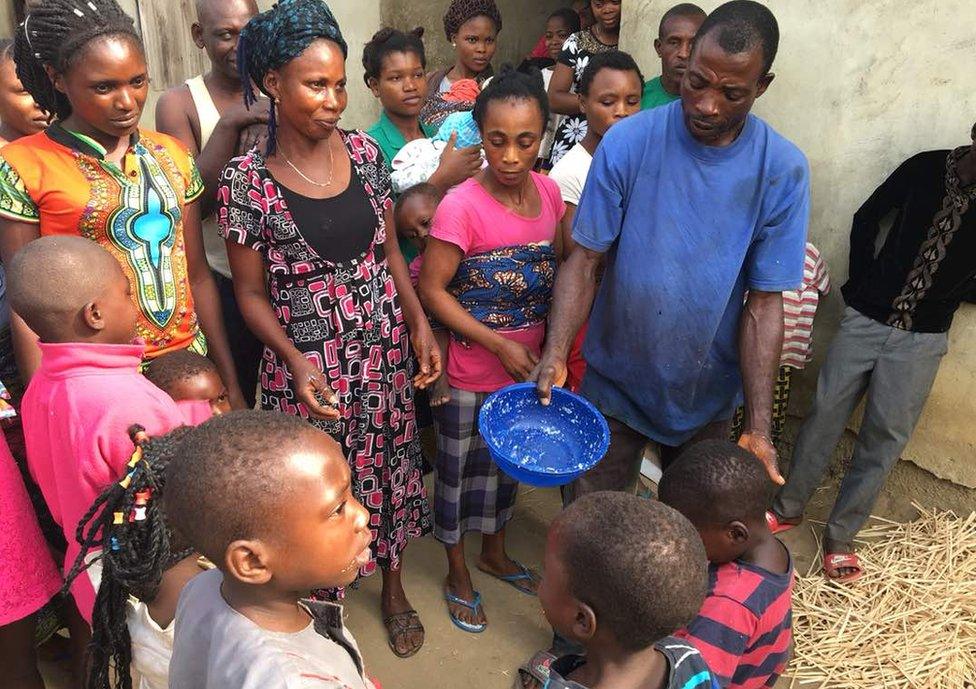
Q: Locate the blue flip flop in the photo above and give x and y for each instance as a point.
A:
(471, 605)
(514, 580)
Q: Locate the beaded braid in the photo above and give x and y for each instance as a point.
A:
(276, 37)
(53, 33)
(126, 522)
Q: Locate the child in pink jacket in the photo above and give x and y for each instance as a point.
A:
(88, 389)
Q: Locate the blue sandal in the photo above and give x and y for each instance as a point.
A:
(514, 580)
(474, 606)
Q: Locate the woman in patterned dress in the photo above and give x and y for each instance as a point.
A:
(602, 37)
(337, 313)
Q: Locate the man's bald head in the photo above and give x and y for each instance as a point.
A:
(52, 280)
(218, 25)
(211, 11)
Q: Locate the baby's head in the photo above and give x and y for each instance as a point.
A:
(621, 571)
(70, 289)
(414, 213)
(186, 375)
(268, 499)
(724, 491)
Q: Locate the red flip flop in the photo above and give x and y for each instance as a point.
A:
(834, 562)
(778, 525)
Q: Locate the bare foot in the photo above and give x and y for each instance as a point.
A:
(461, 587)
(440, 392)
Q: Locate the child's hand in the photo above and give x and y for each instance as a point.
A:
(457, 164)
(519, 361)
(312, 390)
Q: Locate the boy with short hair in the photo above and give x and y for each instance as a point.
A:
(188, 376)
(87, 391)
(744, 628)
(622, 598)
(267, 498)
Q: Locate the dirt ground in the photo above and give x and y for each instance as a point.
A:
(517, 628)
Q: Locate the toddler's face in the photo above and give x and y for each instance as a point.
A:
(322, 535)
(414, 218)
(205, 386)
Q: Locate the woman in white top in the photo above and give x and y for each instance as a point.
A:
(610, 89)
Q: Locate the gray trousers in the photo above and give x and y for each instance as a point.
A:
(619, 470)
(896, 370)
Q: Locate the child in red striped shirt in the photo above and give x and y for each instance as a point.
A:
(744, 628)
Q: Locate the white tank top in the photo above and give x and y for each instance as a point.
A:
(209, 116)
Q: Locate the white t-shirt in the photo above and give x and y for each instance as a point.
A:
(570, 173)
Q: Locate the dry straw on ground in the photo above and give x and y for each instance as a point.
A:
(910, 622)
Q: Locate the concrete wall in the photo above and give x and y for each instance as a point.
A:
(523, 22)
(861, 86)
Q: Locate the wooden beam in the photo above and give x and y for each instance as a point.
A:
(170, 53)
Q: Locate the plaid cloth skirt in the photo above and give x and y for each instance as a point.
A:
(471, 493)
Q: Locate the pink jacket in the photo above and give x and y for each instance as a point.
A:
(76, 414)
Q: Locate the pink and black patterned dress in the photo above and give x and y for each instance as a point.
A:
(333, 293)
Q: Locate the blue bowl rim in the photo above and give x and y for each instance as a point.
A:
(556, 392)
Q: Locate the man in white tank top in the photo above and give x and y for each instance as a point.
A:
(208, 115)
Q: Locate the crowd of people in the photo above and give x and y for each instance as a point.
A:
(221, 341)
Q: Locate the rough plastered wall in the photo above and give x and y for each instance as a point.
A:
(523, 21)
(861, 86)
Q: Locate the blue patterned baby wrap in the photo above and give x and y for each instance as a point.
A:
(507, 288)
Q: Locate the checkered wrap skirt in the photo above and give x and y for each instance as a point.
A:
(471, 493)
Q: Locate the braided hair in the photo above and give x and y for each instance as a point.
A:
(275, 38)
(126, 522)
(511, 84)
(54, 33)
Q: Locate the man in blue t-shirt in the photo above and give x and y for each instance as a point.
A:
(694, 204)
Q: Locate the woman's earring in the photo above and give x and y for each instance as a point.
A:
(454, 45)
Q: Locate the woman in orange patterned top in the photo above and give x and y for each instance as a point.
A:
(93, 172)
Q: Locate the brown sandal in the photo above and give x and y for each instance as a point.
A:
(401, 624)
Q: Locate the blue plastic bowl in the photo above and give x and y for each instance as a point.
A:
(542, 446)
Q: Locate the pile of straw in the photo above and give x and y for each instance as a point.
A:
(909, 622)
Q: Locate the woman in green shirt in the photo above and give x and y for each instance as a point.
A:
(395, 71)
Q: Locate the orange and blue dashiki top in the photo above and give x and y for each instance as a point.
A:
(61, 180)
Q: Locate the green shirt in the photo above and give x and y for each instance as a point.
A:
(655, 95)
(391, 141)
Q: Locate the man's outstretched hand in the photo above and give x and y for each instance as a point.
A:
(760, 445)
(550, 371)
